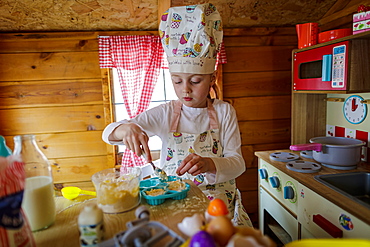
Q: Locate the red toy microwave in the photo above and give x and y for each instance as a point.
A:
(322, 68)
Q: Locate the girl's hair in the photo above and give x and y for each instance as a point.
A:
(214, 91)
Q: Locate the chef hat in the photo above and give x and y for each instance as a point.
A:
(191, 37)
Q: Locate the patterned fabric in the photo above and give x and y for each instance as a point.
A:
(138, 60)
(14, 226)
(206, 144)
(221, 56)
(12, 175)
(191, 38)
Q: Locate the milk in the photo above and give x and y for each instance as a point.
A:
(38, 202)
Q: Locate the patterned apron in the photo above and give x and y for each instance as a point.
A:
(206, 144)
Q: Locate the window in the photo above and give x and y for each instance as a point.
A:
(163, 92)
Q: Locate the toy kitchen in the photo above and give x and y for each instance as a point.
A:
(319, 188)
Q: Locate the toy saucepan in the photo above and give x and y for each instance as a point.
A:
(340, 153)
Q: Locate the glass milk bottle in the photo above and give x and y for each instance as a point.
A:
(38, 199)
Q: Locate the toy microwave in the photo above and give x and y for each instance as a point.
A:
(322, 68)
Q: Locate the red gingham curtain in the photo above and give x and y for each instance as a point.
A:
(138, 60)
(221, 55)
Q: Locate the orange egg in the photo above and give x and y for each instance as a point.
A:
(217, 207)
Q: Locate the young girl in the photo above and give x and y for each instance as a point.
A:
(200, 137)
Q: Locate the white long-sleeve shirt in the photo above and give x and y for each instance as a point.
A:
(156, 121)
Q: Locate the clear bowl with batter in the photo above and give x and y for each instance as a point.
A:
(116, 192)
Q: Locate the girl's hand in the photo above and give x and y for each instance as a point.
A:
(133, 137)
(195, 164)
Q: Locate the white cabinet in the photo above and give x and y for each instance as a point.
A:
(320, 218)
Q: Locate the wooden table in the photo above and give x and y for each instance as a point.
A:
(64, 232)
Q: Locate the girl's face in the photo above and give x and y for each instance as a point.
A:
(192, 89)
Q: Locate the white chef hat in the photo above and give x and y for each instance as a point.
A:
(191, 37)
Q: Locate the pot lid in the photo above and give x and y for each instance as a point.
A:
(303, 166)
(338, 142)
(283, 156)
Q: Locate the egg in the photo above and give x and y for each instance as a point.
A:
(217, 207)
(190, 225)
(256, 234)
(221, 229)
(202, 239)
(238, 240)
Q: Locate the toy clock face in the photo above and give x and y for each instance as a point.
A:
(354, 111)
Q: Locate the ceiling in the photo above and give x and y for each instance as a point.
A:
(108, 15)
(249, 13)
(245, 13)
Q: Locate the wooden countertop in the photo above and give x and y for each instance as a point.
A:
(307, 179)
(64, 232)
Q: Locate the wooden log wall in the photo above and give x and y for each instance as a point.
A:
(257, 82)
(51, 86)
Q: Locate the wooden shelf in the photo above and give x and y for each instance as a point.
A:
(364, 35)
(309, 107)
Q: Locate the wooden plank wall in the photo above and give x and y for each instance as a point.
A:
(257, 82)
(51, 86)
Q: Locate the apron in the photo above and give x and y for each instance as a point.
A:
(206, 144)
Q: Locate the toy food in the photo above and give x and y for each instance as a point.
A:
(202, 238)
(238, 240)
(155, 192)
(176, 185)
(117, 192)
(221, 229)
(191, 225)
(215, 208)
(250, 232)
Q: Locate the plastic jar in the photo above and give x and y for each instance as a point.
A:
(117, 192)
(91, 225)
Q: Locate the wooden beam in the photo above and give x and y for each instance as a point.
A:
(338, 6)
(339, 14)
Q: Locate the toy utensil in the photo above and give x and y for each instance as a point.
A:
(158, 171)
(73, 192)
(144, 232)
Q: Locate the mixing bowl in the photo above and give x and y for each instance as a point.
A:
(116, 192)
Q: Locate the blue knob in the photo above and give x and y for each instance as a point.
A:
(274, 181)
(263, 173)
(288, 192)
